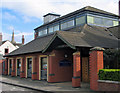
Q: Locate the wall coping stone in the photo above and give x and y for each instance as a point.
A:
(108, 81)
(97, 48)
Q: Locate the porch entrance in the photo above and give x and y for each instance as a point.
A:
(44, 68)
(18, 67)
(10, 66)
(29, 69)
(85, 69)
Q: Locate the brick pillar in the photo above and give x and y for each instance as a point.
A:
(37, 66)
(95, 63)
(51, 74)
(6, 67)
(13, 68)
(1, 66)
(22, 69)
(34, 68)
(76, 70)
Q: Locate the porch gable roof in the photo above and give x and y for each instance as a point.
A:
(88, 36)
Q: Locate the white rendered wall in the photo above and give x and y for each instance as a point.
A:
(7, 45)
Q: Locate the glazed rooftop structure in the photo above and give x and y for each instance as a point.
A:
(87, 15)
(61, 48)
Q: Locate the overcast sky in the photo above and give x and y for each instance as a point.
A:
(25, 15)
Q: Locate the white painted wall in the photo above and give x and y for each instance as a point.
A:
(8, 45)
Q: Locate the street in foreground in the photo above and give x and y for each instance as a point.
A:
(6, 87)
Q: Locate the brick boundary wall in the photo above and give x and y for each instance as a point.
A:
(105, 85)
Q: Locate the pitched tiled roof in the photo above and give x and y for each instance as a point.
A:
(88, 36)
(84, 36)
(36, 45)
(115, 31)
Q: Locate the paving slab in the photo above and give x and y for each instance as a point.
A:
(44, 85)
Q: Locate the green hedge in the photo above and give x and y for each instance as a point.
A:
(109, 74)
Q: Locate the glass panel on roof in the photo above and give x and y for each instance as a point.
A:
(56, 28)
(70, 23)
(42, 32)
(98, 20)
(115, 23)
(67, 24)
(107, 22)
(63, 25)
(80, 20)
(50, 29)
(101, 21)
(90, 19)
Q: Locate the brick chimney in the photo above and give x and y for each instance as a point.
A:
(23, 40)
(0, 37)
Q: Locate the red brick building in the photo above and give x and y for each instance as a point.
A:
(60, 50)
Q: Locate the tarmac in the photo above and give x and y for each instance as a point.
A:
(44, 86)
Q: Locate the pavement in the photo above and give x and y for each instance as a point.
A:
(44, 86)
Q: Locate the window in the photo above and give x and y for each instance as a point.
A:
(29, 61)
(107, 22)
(67, 24)
(63, 25)
(42, 32)
(70, 23)
(10, 63)
(6, 50)
(50, 29)
(115, 23)
(90, 19)
(80, 20)
(18, 63)
(98, 21)
(56, 28)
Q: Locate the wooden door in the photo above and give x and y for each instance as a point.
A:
(85, 69)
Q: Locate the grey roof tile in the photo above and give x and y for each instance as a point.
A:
(86, 36)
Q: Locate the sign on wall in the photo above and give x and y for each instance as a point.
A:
(65, 63)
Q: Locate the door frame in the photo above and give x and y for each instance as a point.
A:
(17, 64)
(27, 65)
(9, 65)
(40, 66)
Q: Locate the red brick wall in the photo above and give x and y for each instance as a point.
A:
(35, 35)
(95, 63)
(34, 74)
(6, 66)
(22, 72)
(1, 66)
(76, 70)
(37, 66)
(104, 86)
(59, 73)
(13, 73)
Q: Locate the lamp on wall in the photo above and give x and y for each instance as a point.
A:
(66, 55)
